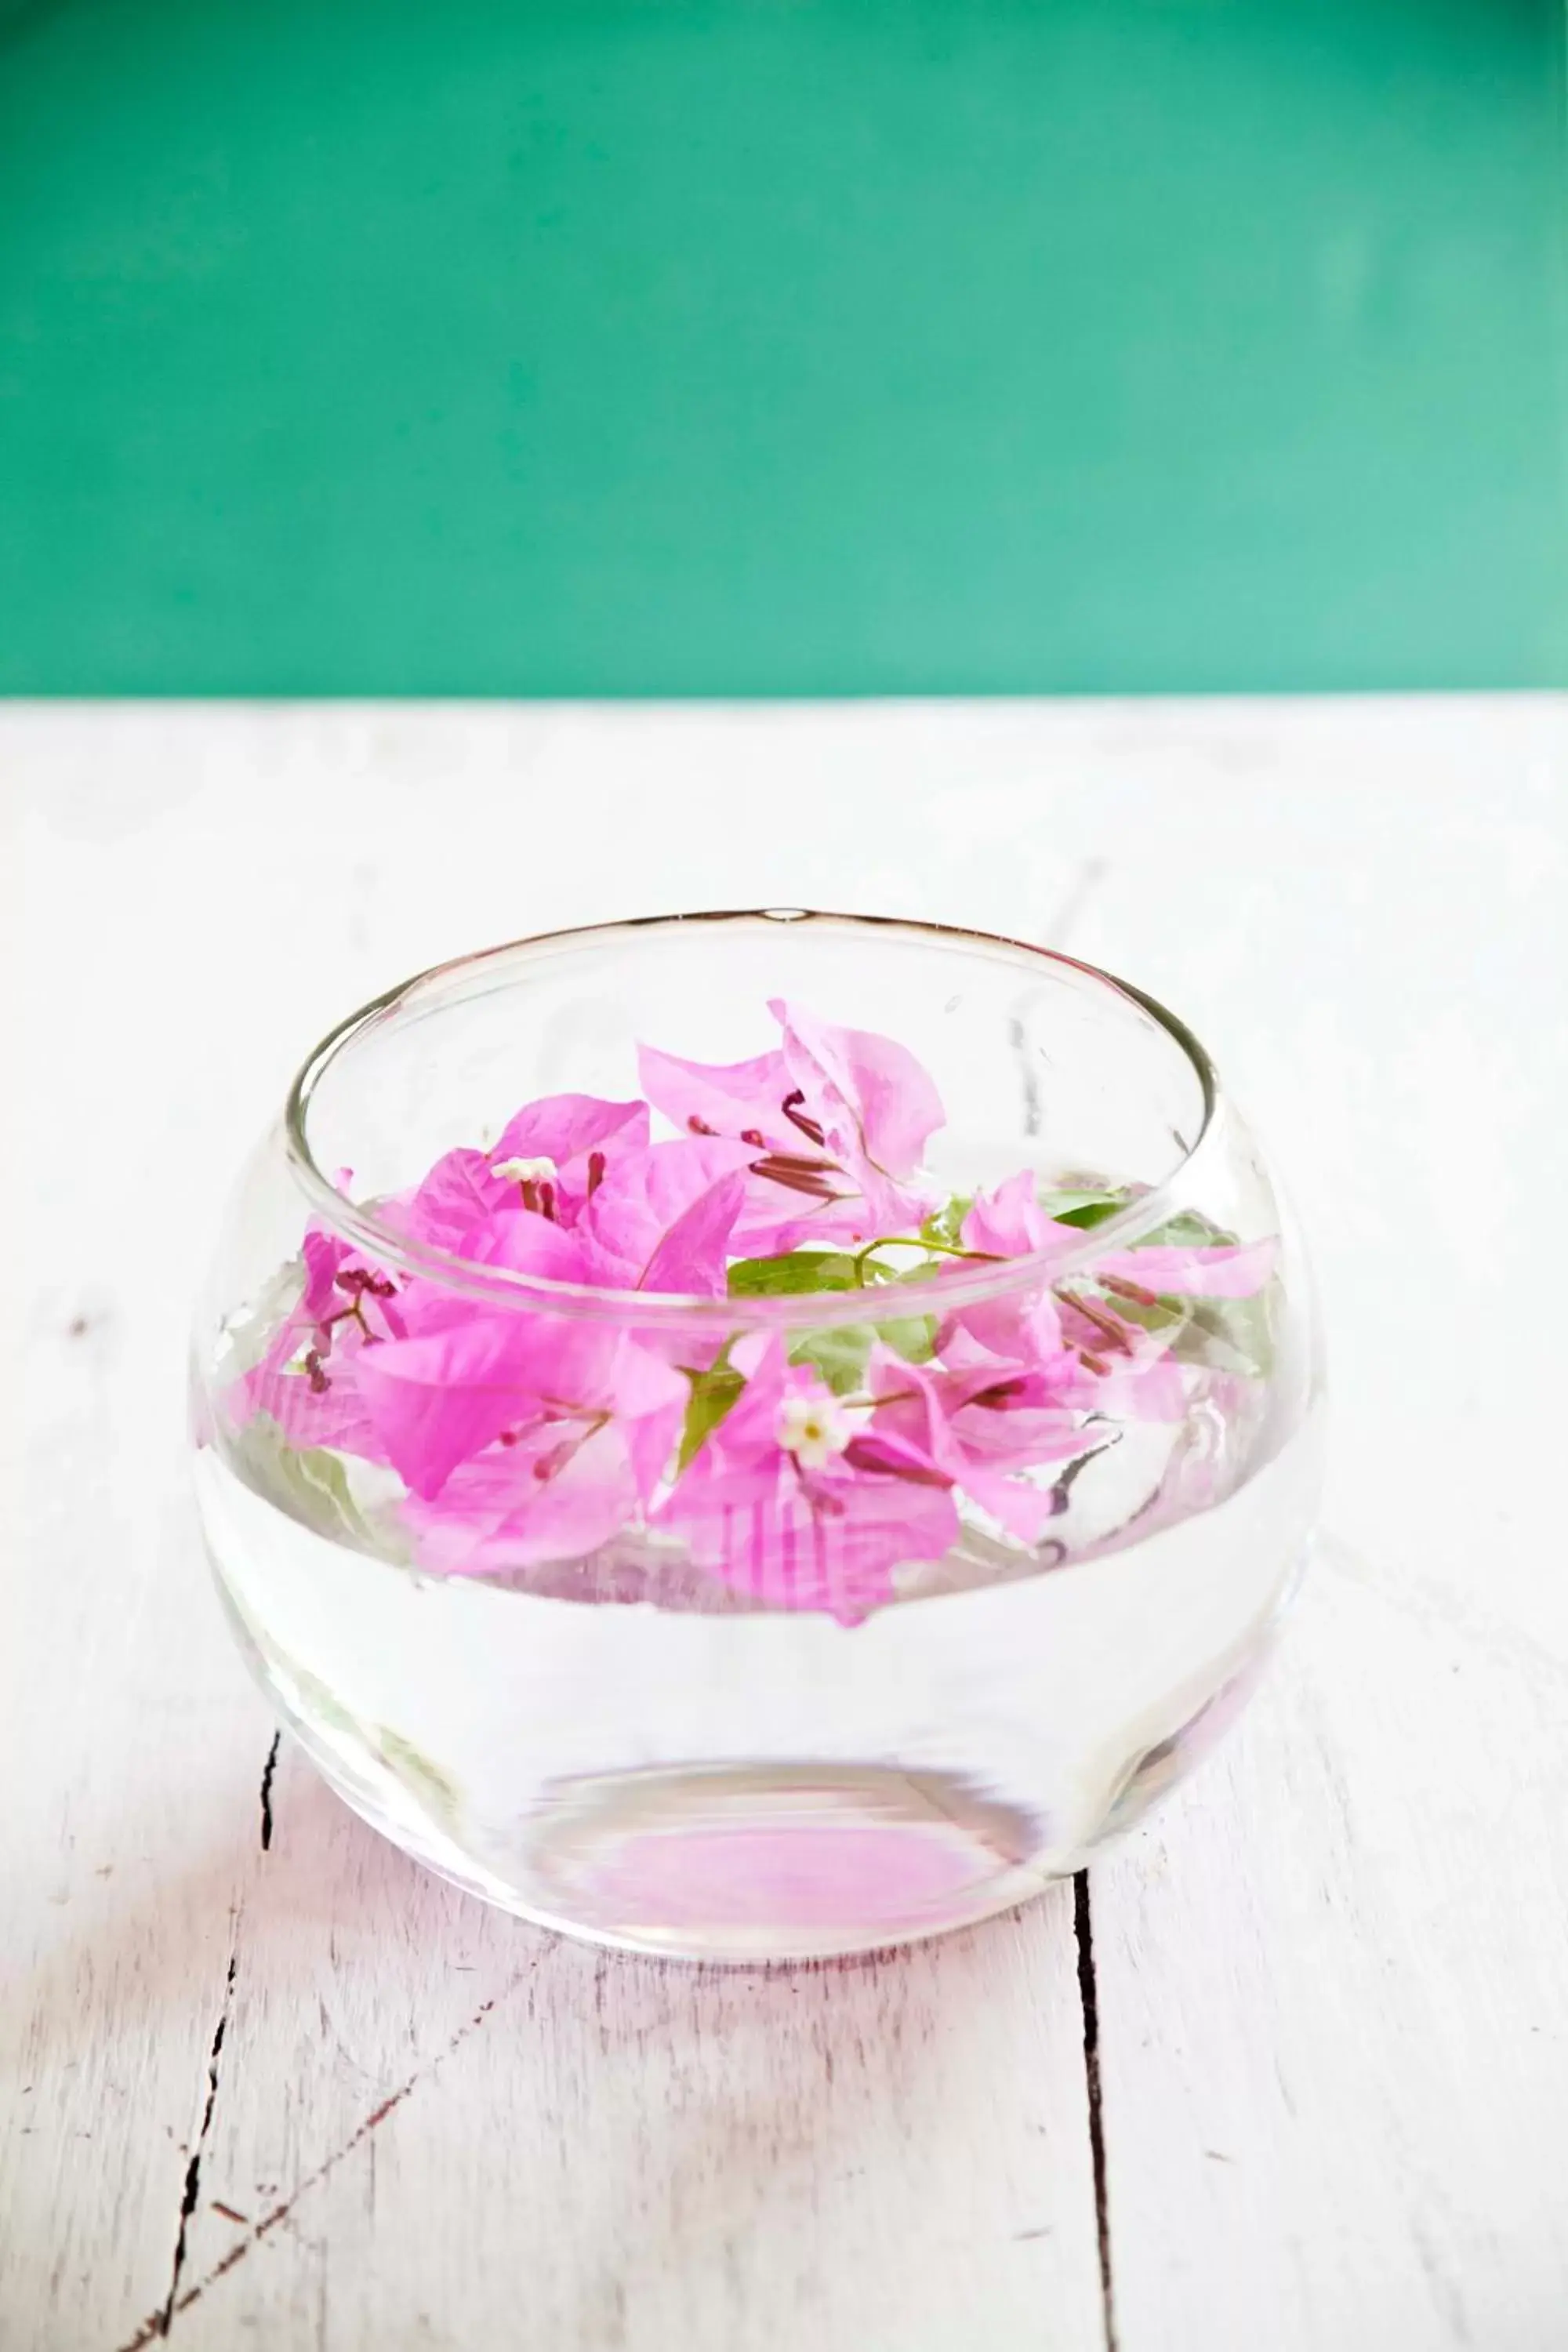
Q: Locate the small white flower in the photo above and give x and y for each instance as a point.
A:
(523, 1171)
(814, 1429)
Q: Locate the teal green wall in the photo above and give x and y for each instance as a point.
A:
(781, 346)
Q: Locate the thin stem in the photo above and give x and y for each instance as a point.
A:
(909, 1241)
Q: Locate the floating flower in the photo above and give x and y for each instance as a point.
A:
(837, 1120)
(550, 1158)
(440, 1397)
(776, 1508)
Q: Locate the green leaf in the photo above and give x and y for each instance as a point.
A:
(248, 1336)
(714, 1393)
(1083, 1209)
(798, 1271)
(947, 1226)
(840, 1355)
(1230, 1335)
(307, 1482)
(433, 1789)
(1215, 1335)
(913, 1336)
(1188, 1229)
(318, 1697)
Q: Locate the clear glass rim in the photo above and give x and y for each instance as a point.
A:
(504, 1290)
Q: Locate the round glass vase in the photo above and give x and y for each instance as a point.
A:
(928, 1664)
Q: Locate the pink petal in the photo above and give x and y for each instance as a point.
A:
(323, 1253)
(775, 1220)
(693, 1253)
(563, 1127)
(1023, 1326)
(648, 1398)
(875, 1093)
(513, 1238)
(940, 1425)
(1024, 1511)
(828, 1539)
(308, 1416)
(497, 1513)
(1009, 1221)
(1220, 1273)
(662, 1218)
(525, 1242)
(460, 1191)
(440, 1398)
(831, 1546)
(722, 1098)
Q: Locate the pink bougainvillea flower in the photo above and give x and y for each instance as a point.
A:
(877, 1108)
(581, 1136)
(796, 1190)
(838, 1119)
(307, 1379)
(658, 1221)
(1010, 1222)
(979, 1427)
(774, 1506)
(1083, 1311)
(443, 1396)
(551, 1158)
(558, 1492)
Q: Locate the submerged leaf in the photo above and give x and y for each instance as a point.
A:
(433, 1789)
(839, 1355)
(1230, 1335)
(1188, 1229)
(797, 1272)
(714, 1393)
(913, 1336)
(1213, 1335)
(1083, 1209)
(946, 1226)
(308, 1483)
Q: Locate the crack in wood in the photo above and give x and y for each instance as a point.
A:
(268, 1769)
(158, 2322)
(1089, 1997)
(193, 2169)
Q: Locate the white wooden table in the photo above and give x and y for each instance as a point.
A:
(1291, 2071)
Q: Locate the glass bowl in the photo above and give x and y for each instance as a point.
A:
(816, 1529)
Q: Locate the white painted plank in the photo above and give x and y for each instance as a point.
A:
(1332, 2005)
(1333, 2010)
(128, 1744)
